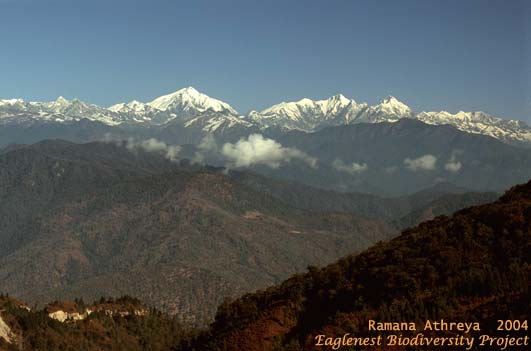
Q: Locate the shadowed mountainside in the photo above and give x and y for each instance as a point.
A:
(472, 266)
(100, 220)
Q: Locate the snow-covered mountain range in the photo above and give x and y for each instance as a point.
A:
(308, 115)
(192, 109)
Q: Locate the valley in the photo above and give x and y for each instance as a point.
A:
(99, 219)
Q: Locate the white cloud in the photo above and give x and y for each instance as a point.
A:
(424, 163)
(208, 143)
(206, 147)
(453, 165)
(259, 150)
(352, 168)
(172, 151)
(253, 150)
(154, 145)
(391, 170)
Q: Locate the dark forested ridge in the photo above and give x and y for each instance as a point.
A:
(112, 324)
(99, 219)
(472, 266)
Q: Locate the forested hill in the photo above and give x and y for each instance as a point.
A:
(107, 324)
(472, 266)
(102, 219)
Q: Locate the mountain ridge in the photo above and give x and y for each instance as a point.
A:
(100, 219)
(191, 107)
(471, 266)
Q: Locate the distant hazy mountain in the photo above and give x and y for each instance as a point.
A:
(337, 143)
(389, 159)
(188, 114)
(104, 219)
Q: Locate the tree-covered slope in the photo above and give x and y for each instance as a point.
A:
(101, 219)
(472, 266)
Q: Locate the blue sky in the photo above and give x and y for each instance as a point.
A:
(433, 55)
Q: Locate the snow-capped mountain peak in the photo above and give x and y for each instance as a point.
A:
(193, 109)
(306, 114)
(390, 99)
(340, 98)
(131, 106)
(182, 105)
(291, 110)
(11, 102)
(117, 107)
(61, 100)
(389, 109)
(335, 103)
(58, 105)
(296, 109)
(392, 105)
(309, 115)
(189, 100)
